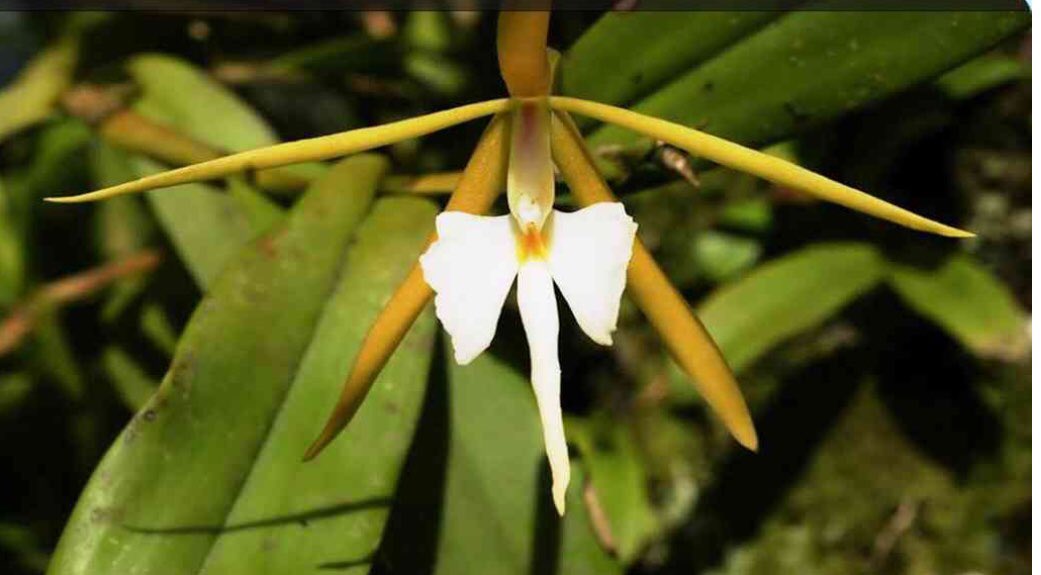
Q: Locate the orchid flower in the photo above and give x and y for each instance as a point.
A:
(475, 259)
(592, 255)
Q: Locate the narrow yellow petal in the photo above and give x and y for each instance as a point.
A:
(482, 180)
(687, 340)
(756, 163)
(321, 148)
(383, 338)
(522, 52)
(690, 344)
(131, 131)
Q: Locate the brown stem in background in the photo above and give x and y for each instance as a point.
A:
(901, 521)
(379, 24)
(20, 322)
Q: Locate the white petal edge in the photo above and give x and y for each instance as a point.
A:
(589, 254)
(470, 267)
(538, 309)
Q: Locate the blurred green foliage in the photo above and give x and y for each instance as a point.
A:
(887, 370)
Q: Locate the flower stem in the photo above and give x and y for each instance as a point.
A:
(22, 317)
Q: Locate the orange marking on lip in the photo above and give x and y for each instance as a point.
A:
(531, 245)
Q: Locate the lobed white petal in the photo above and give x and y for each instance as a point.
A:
(471, 267)
(589, 253)
(538, 308)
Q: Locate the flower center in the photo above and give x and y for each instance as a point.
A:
(530, 244)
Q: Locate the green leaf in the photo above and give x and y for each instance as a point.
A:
(754, 214)
(133, 386)
(206, 226)
(52, 355)
(357, 53)
(492, 511)
(787, 296)
(347, 491)
(12, 266)
(497, 486)
(24, 545)
(428, 30)
(626, 55)
(966, 300)
(156, 326)
(32, 97)
(721, 255)
(580, 551)
(261, 212)
(208, 478)
(123, 226)
(810, 66)
(982, 74)
(183, 96)
(435, 72)
(56, 166)
(15, 388)
(612, 458)
(495, 454)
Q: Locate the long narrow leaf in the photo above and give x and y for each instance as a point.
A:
(262, 356)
